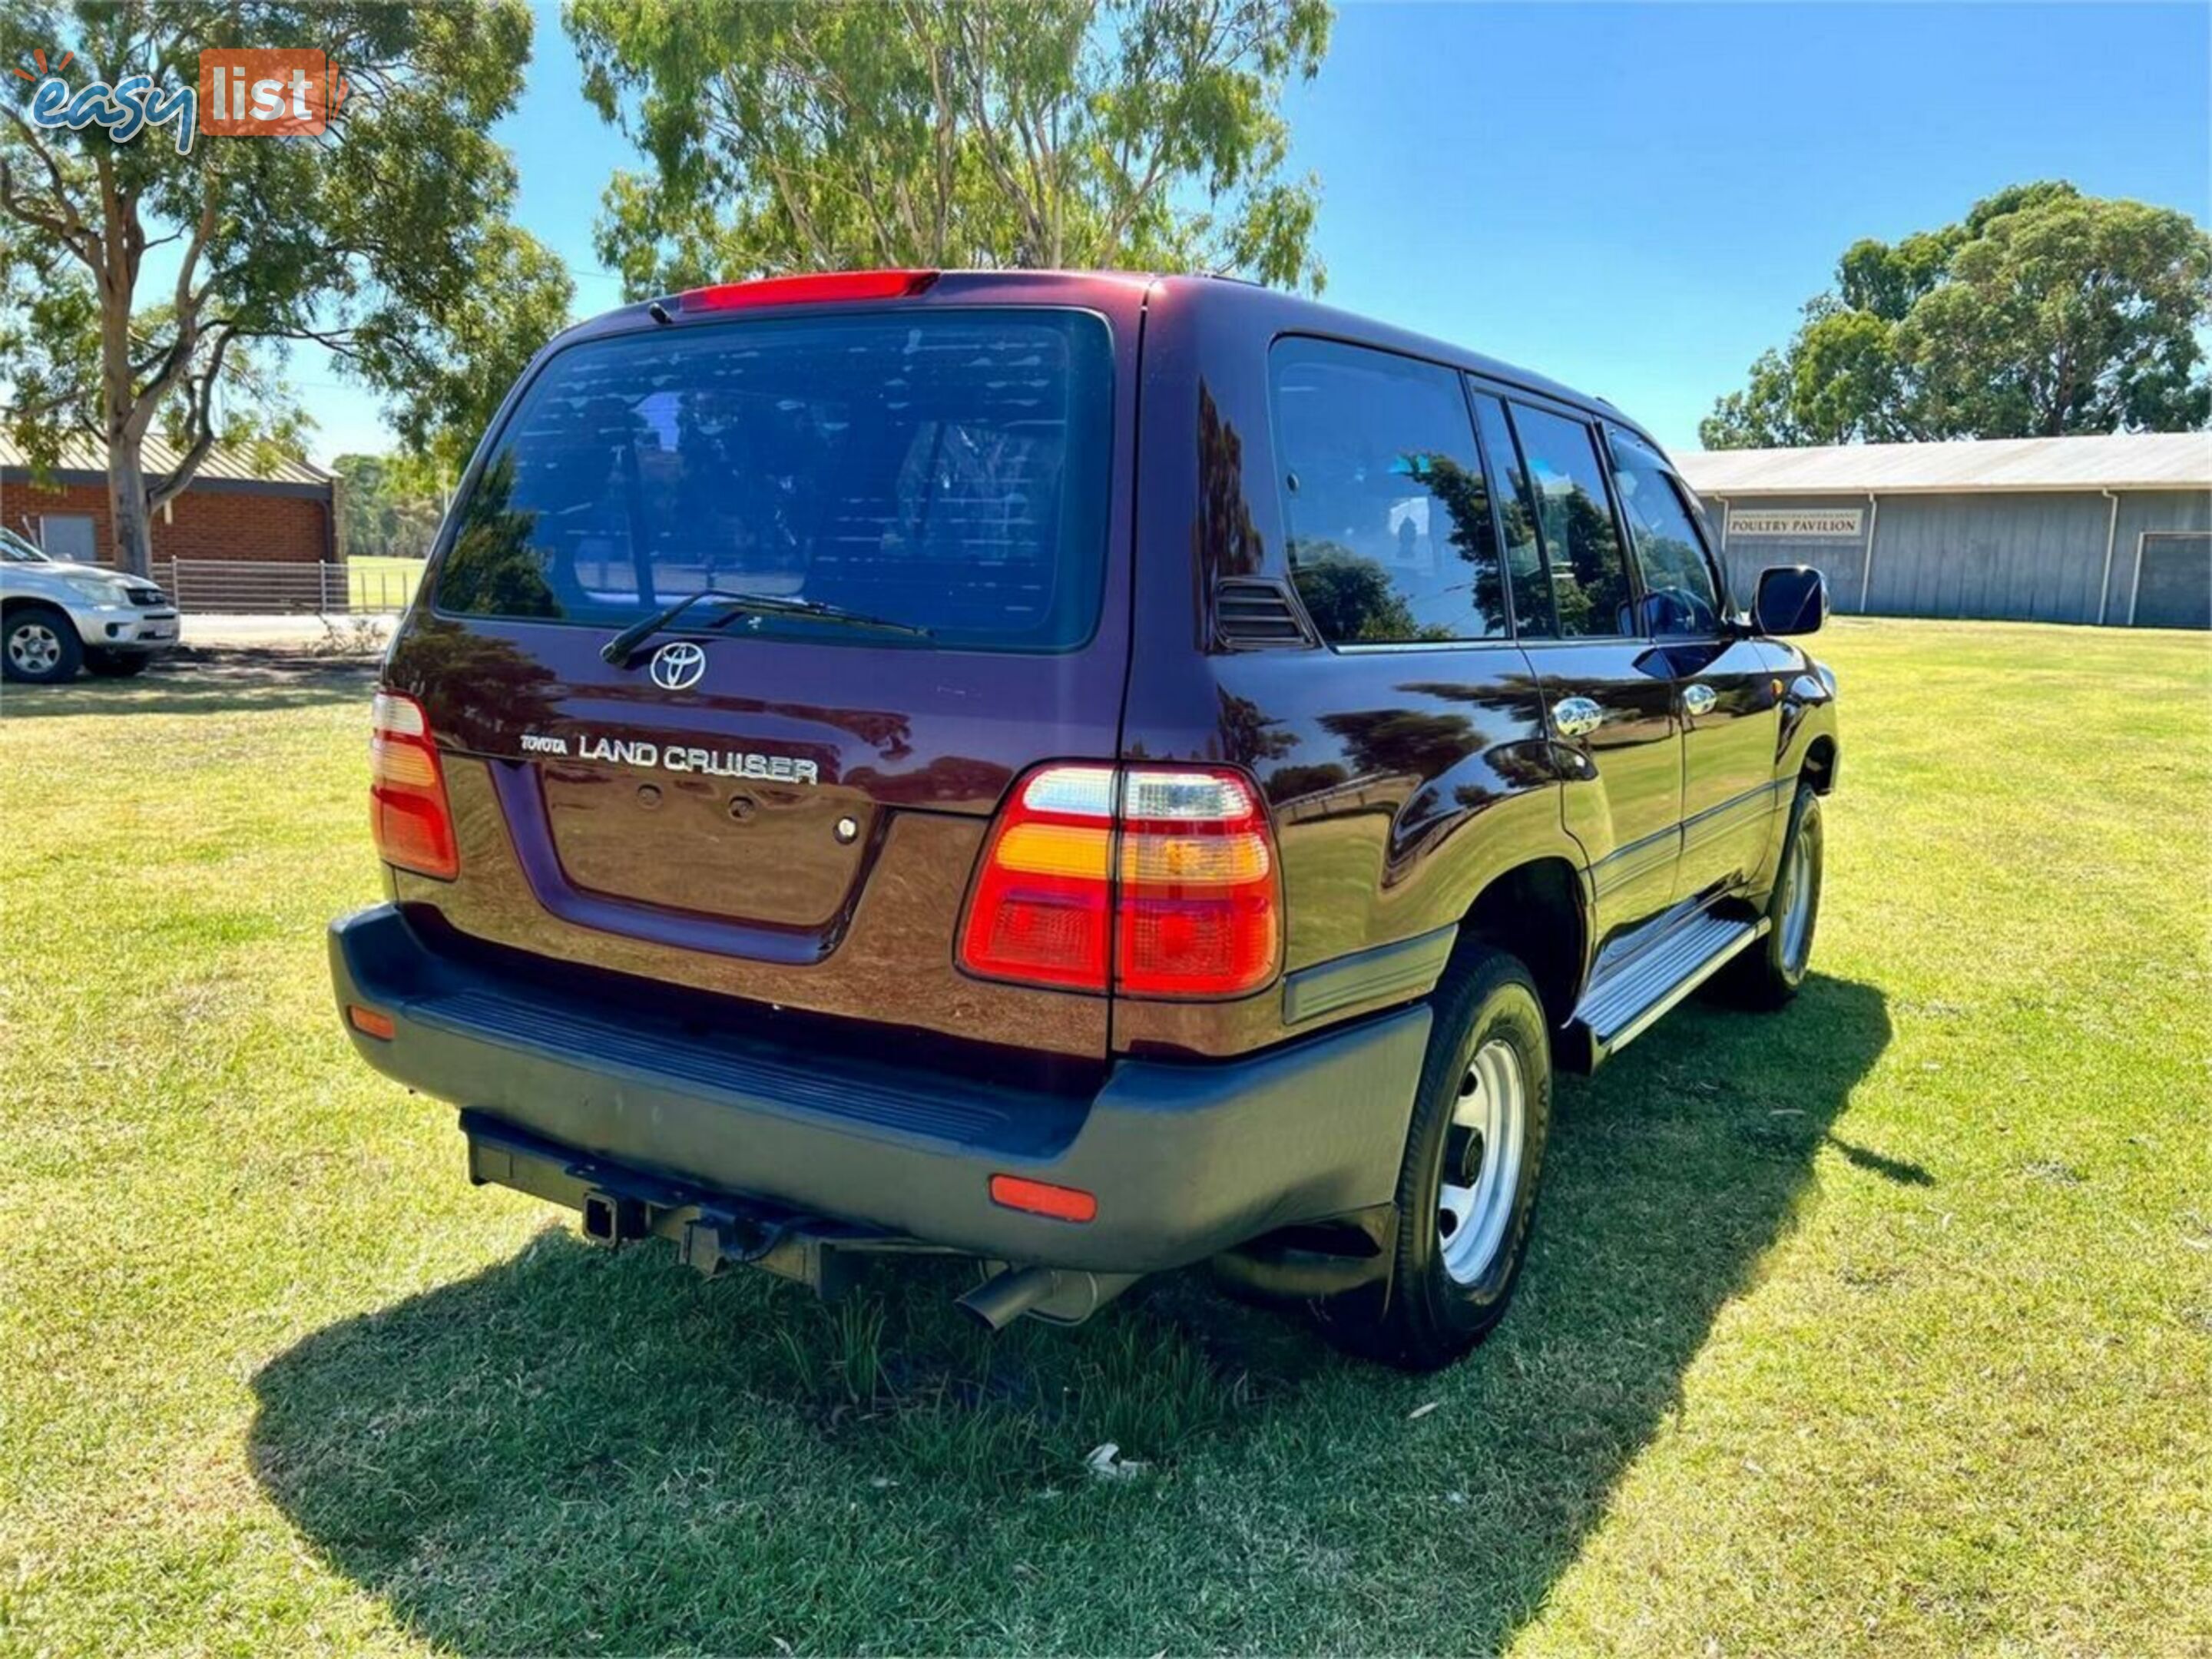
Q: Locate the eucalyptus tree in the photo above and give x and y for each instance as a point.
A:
(787, 135)
(2044, 311)
(154, 280)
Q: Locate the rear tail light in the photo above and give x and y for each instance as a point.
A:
(1042, 907)
(1159, 880)
(1201, 911)
(407, 810)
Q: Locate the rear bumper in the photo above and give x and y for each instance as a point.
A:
(1185, 1160)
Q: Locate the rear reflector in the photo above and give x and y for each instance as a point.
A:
(816, 289)
(407, 810)
(1042, 1198)
(369, 1022)
(1160, 880)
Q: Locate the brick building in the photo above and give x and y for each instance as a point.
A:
(233, 510)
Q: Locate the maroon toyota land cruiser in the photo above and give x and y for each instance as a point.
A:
(1093, 773)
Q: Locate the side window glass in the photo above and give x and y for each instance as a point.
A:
(1391, 539)
(1678, 597)
(1589, 579)
(1516, 504)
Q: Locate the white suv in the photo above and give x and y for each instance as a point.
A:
(55, 617)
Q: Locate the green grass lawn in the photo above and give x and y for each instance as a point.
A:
(1881, 1325)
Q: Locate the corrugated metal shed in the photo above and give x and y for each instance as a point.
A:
(2152, 460)
(83, 455)
(2069, 530)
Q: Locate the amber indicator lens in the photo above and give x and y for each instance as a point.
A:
(369, 1023)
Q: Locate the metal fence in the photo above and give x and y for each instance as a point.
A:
(246, 587)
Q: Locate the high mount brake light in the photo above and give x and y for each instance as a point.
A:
(814, 288)
(1161, 880)
(407, 809)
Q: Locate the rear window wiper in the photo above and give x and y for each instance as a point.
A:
(765, 604)
(616, 650)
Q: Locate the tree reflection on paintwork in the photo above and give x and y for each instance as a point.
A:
(1289, 783)
(482, 686)
(1250, 736)
(1228, 542)
(1403, 739)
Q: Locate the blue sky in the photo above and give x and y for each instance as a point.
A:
(1633, 199)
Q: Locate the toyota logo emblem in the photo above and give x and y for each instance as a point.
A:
(676, 666)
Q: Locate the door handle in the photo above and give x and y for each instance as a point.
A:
(1699, 699)
(1576, 717)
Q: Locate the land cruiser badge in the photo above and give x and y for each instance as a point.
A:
(673, 757)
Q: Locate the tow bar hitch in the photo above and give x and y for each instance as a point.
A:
(710, 1230)
(610, 1219)
(785, 1247)
(711, 1239)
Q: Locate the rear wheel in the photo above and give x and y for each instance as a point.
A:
(1468, 1186)
(38, 645)
(116, 665)
(1768, 973)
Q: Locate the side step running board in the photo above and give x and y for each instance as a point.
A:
(1626, 1003)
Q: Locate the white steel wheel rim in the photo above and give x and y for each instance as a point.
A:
(1493, 1105)
(1797, 905)
(35, 648)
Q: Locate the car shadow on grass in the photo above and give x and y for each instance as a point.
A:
(206, 680)
(572, 1451)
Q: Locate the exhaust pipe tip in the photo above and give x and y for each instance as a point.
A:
(1059, 1296)
(998, 1301)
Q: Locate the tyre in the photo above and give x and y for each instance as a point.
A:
(38, 645)
(1467, 1189)
(116, 665)
(1768, 973)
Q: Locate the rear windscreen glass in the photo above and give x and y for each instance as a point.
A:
(947, 469)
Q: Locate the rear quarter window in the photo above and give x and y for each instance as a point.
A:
(946, 469)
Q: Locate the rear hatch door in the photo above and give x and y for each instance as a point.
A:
(938, 476)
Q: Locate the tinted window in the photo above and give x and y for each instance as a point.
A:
(946, 469)
(1389, 516)
(1590, 582)
(1524, 554)
(1678, 586)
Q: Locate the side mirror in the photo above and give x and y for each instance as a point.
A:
(1793, 598)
